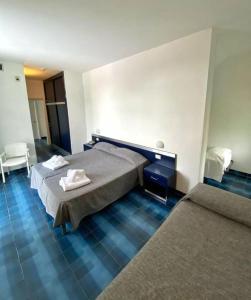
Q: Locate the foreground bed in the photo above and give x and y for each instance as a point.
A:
(113, 172)
(202, 251)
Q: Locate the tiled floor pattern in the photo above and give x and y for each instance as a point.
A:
(235, 182)
(38, 262)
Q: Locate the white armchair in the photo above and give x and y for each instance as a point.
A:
(14, 155)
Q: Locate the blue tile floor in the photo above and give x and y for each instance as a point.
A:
(38, 262)
(235, 182)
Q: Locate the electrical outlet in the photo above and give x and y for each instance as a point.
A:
(157, 156)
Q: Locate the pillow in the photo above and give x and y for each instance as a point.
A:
(131, 156)
(105, 146)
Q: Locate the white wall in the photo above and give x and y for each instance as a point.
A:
(15, 122)
(159, 94)
(230, 121)
(76, 109)
(208, 105)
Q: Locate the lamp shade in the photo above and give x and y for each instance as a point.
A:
(160, 144)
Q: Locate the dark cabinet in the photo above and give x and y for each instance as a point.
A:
(57, 111)
(158, 180)
(53, 125)
(49, 91)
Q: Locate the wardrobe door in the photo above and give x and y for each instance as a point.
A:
(52, 113)
(53, 125)
(62, 110)
(57, 112)
(49, 91)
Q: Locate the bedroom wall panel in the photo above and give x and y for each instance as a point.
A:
(76, 109)
(159, 94)
(15, 120)
(230, 120)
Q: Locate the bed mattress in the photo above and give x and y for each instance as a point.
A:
(113, 173)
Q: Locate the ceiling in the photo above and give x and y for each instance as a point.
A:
(39, 73)
(83, 34)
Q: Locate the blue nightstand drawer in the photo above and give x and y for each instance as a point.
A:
(158, 180)
(155, 178)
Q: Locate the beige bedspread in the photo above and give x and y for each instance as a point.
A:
(202, 251)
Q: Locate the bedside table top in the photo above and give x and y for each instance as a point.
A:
(90, 144)
(159, 169)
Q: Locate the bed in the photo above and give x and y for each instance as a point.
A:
(113, 172)
(202, 251)
(218, 160)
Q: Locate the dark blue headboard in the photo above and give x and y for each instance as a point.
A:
(153, 155)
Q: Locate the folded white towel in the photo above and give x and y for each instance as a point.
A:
(55, 162)
(68, 186)
(74, 179)
(75, 175)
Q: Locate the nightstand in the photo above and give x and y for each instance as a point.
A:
(88, 146)
(159, 180)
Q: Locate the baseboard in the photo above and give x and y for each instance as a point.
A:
(239, 173)
(179, 193)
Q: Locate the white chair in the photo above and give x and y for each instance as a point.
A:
(14, 155)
